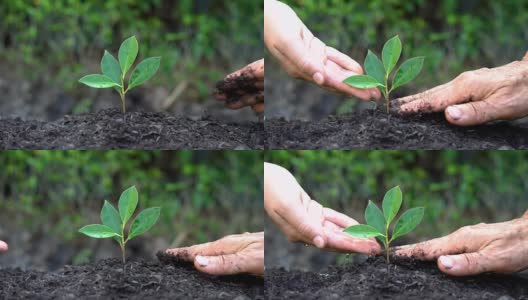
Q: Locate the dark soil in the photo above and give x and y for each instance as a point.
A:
(374, 279)
(235, 87)
(111, 129)
(106, 279)
(374, 129)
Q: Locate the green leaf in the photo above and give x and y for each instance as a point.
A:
(144, 71)
(128, 53)
(98, 81)
(363, 231)
(374, 217)
(111, 68)
(110, 217)
(144, 221)
(408, 71)
(407, 222)
(98, 231)
(374, 67)
(362, 82)
(127, 204)
(391, 53)
(392, 203)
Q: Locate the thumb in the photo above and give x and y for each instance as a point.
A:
(309, 227)
(525, 58)
(3, 246)
(464, 264)
(472, 113)
(228, 264)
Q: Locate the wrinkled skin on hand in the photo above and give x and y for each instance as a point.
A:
(3, 246)
(243, 88)
(306, 57)
(476, 97)
(233, 254)
(304, 220)
(500, 247)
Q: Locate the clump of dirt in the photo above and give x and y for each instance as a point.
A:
(375, 129)
(402, 279)
(110, 279)
(235, 87)
(111, 129)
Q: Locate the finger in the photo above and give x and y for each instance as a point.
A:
(465, 264)
(339, 241)
(246, 100)
(258, 69)
(311, 227)
(525, 58)
(3, 246)
(428, 250)
(229, 264)
(475, 113)
(335, 75)
(228, 244)
(435, 100)
(296, 52)
(338, 218)
(343, 60)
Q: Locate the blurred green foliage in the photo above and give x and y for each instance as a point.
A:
(199, 40)
(203, 195)
(453, 35)
(456, 187)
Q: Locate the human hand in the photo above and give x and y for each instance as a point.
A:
(3, 246)
(243, 88)
(499, 247)
(306, 57)
(302, 219)
(233, 254)
(476, 97)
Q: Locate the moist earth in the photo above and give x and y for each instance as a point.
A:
(139, 279)
(111, 129)
(375, 129)
(402, 279)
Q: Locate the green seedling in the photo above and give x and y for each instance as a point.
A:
(114, 72)
(378, 72)
(114, 222)
(378, 223)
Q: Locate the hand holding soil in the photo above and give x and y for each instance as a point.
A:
(306, 57)
(476, 97)
(500, 247)
(233, 254)
(3, 246)
(304, 220)
(243, 88)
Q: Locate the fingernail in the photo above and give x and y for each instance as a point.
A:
(318, 242)
(446, 261)
(373, 94)
(454, 113)
(318, 78)
(202, 261)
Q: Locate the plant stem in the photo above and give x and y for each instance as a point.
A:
(387, 249)
(123, 252)
(387, 101)
(123, 101)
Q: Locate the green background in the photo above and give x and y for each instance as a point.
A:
(46, 196)
(453, 35)
(49, 44)
(456, 187)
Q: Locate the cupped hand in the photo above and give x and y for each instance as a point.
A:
(233, 254)
(471, 250)
(304, 220)
(3, 246)
(306, 57)
(476, 97)
(243, 88)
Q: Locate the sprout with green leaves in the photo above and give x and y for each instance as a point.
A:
(378, 222)
(114, 222)
(378, 72)
(114, 72)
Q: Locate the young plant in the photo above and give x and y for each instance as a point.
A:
(378, 72)
(114, 222)
(378, 223)
(114, 72)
